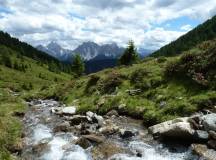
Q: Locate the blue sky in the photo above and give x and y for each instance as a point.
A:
(150, 23)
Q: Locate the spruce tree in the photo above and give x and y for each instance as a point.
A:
(78, 65)
(130, 55)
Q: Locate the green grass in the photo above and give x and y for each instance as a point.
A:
(16, 86)
(162, 98)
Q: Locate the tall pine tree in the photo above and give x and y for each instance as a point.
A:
(78, 65)
(130, 55)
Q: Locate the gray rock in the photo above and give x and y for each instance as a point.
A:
(126, 133)
(89, 115)
(212, 144)
(209, 122)
(112, 113)
(77, 119)
(83, 142)
(99, 120)
(212, 135)
(134, 92)
(109, 129)
(69, 110)
(95, 138)
(177, 128)
(42, 146)
(63, 127)
(203, 151)
(201, 136)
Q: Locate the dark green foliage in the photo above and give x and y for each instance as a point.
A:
(91, 84)
(109, 84)
(24, 49)
(161, 59)
(78, 65)
(130, 55)
(199, 67)
(139, 79)
(6, 60)
(204, 32)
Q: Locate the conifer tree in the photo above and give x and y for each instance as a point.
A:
(78, 65)
(130, 55)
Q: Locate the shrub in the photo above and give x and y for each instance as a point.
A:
(161, 59)
(110, 82)
(92, 82)
(139, 79)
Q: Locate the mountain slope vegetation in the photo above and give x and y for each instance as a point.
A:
(157, 89)
(20, 77)
(204, 32)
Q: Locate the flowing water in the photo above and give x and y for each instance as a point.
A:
(43, 144)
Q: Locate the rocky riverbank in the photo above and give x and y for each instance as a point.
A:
(53, 131)
(199, 129)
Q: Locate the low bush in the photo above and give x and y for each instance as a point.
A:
(109, 84)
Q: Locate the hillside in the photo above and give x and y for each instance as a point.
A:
(149, 90)
(27, 50)
(20, 77)
(203, 32)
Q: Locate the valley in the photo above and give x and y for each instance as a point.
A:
(105, 102)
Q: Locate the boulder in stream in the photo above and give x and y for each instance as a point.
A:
(209, 122)
(63, 127)
(83, 142)
(203, 151)
(177, 128)
(126, 133)
(95, 138)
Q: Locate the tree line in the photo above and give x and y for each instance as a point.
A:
(204, 32)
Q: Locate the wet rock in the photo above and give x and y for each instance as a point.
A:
(90, 115)
(112, 113)
(99, 120)
(126, 133)
(212, 144)
(201, 136)
(203, 151)
(212, 135)
(177, 128)
(83, 142)
(69, 110)
(109, 129)
(95, 138)
(41, 147)
(19, 114)
(63, 127)
(209, 122)
(194, 121)
(106, 150)
(77, 119)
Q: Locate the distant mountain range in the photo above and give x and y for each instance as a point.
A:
(97, 57)
(87, 50)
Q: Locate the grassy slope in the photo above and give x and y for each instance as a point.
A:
(162, 98)
(16, 85)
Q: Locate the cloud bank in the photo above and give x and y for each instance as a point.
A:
(150, 23)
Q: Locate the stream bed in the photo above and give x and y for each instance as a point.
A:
(44, 142)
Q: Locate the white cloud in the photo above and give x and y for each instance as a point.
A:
(186, 27)
(71, 22)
